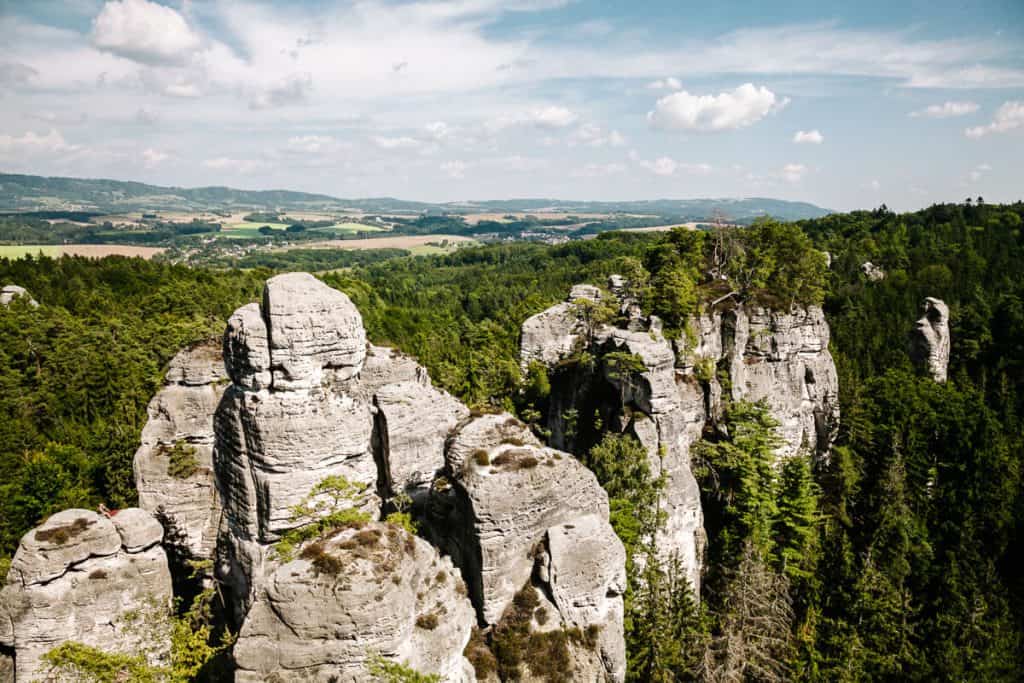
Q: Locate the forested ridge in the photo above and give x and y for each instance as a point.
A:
(895, 559)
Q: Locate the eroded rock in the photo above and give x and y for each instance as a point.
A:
(11, 292)
(929, 340)
(82, 577)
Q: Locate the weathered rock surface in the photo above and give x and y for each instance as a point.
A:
(781, 358)
(512, 511)
(872, 272)
(392, 595)
(82, 577)
(929, 340)
(182, 412)
(11, 292)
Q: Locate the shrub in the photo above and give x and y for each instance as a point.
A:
(60, 535)
(182, 462)
(479, 655)
(427, 622)
(395, 672)
(323, 562)
(481, 457)
(97, 574)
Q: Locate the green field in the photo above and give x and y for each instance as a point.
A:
(19, 251)
(250, 230)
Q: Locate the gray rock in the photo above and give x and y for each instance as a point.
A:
(584, 292)
(137, 528)
(315, 332)
(872, 272)
(11, 292)
(509, 503)
(550, 336)
(73, 580)
(484, 433)
(183, 412)
(246, 349)
(929, 340)
(393, 595)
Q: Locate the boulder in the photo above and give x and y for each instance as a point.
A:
(181, 414)
(11, 292)
(82, 577)
(371, 591)
(872, 272)
(929, 340)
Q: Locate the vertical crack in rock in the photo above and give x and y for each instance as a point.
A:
(929, 340)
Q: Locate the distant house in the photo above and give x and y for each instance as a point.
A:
(151, 216)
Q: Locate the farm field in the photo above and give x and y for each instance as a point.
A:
(417, 244)
(87, 250)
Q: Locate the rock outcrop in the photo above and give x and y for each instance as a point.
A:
(742, 353)
(11, 292)
(84, 577)
(182, 493)
(929, 340)
(514, 516)
(380, 592)
(303, 398)
(872, 272)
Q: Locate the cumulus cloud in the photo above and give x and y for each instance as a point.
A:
(669, 83)
(455, 169)
(182, 89)
(808, 137)
(552, 117)
(144, 32)
(16, 73)
(151, 158)
(438, 131)
(978, 171)
(146, 116)
(293, 89)
(593, 135)
(33, 144)
(737, 108)
(793, 173)
(667, 166)
(311, 144)
(1009, 116)
(945, 110)
(402, 142)
(235, 165)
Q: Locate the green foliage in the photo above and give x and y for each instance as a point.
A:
(75, 661)
(182, 462)
(387, 671)
(329, 506)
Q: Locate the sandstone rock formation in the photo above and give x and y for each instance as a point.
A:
(308, 398)
(781, 358)
(390, 594)
(929, 340)
(512, 514)
(83, 577)
(11, 292)
(872, 272)
(183, 495)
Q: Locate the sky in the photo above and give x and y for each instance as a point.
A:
(846, 105)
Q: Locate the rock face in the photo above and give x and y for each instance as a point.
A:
(512, 514)
(81, 576)
(11, 292)
(929, 340)
(182, 414)
(872, 272)
(781, 358)
(308, 398)
(392, 595)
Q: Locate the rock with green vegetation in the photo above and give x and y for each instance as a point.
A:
(496, 516)
(174, 463)
(11, 292)
(363, 593)
(83, 577)
(929, 340)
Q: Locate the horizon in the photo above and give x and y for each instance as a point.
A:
(477, 100)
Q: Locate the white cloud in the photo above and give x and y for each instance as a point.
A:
(455, 169)
(182, 89)
(552, 117)
(144, 31)
(438, 131)
(146, 116)
(30, 143)
(811, 137)
(669, 83)
(875, 185)
(293, 89)
(979, 171)
(235, 165)
(310, 143)
(593, 135)
(1008, 117)
(14, 73)
(598, 170)
(737, 108)
(668, 166)
(151, 158)
(402, 142)
(945, 110)
(793, 173)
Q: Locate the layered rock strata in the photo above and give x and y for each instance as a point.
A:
(81, 576)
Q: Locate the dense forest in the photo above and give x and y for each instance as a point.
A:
(896, 558)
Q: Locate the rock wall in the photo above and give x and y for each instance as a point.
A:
(81, 576)
(181, 414)
(746, 353)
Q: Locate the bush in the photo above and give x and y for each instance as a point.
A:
(481, 457)
(428, 622)
(183, 462)
(59, 535)
(322, 561)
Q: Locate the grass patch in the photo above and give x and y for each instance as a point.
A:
(59, 535)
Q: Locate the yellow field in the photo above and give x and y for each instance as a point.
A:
(88, 250)
(414, 243)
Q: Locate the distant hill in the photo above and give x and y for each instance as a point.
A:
(38, 193)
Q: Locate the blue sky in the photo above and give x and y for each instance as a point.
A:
(841, 104)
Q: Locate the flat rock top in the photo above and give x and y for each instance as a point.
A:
(64, 539)
(138, 529)
(198, 364)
